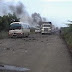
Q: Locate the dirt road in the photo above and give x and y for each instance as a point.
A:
(39, 53)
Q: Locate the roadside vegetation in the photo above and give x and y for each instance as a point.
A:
(3, 34)
(5, 22)
(66, 33)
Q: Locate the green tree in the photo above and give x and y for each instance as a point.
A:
(70, 26)
(6, 20)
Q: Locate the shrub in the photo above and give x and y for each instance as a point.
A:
(3, 34)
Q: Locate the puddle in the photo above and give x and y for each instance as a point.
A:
(13, 68)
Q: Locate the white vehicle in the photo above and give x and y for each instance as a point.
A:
(46, 28)
(37, 30)
(19, 29)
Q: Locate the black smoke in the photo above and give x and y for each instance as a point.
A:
(18, 8)
(12, 7)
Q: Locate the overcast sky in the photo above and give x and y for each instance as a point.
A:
(57, 11)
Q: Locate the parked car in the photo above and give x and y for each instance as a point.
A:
(37, 30)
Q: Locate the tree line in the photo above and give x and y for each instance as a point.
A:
(66, 33)
(6, 20)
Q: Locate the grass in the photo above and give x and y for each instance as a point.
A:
(67, 35)
(3, 34)
(68, 39)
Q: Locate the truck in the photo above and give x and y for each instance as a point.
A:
(46, 28)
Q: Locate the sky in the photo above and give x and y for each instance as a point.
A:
(56, 11)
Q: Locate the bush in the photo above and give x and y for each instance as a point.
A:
(68, 38)
(6, 20)
(67, 35)
(3, 34)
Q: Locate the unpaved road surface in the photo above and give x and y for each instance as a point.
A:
(39, 53)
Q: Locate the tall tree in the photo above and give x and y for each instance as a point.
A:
(6, 20)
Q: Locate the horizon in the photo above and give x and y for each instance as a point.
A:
(56, 11)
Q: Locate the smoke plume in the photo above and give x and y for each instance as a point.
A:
(18, 8)
(14, 7)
